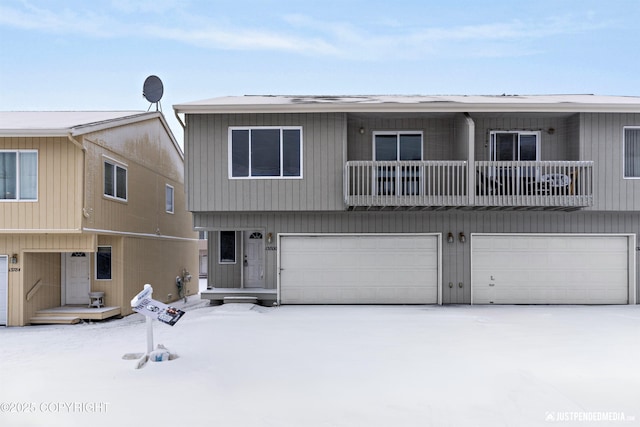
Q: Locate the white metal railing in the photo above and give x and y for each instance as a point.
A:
(406, 183)
(534, 183)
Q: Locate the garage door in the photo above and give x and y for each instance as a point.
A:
(3, 289)
(552, 269)
(359, 269)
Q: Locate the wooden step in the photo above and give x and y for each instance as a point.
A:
(241, 299)
(54, 320)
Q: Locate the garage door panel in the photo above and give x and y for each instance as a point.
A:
(359, 269)
(4, 270)
(556, 269)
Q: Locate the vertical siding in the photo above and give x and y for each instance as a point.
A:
(555, 133)
(155, 261)
(602, 141)
(38, 258)
(224, 275)
(210, 188)
(438, 135)
(456, 257)
(152, 161)
(59, 205)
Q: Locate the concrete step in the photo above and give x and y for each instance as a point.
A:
(54, 320)
(241, 299)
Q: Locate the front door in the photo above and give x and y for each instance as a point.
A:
(253, 259)
(78, 281)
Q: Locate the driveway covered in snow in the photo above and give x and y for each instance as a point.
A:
(243, 365)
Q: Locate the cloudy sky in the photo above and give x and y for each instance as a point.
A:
(95, 55)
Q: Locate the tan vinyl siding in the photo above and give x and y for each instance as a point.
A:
(153, 261)
(602, 141)
(455, 256)
(38, 258)
(207, 151)
(59, 204)
(152, 162)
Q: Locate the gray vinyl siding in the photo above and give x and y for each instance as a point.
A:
(602, 141)
(456, 257)
(223, 275)
(438, 135)
(558, 135)
(206, 161)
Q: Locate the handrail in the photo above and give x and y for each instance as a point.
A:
(35, 288)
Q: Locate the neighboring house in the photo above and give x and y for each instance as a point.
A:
(89, 202)
(417, 199)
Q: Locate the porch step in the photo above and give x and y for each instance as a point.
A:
(54, 320)
(240, 299)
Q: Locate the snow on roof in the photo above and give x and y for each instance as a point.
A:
(60, 123)
(412, 103)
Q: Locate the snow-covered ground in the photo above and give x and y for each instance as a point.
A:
(244, 365)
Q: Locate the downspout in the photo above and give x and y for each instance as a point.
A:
(85, 212)
(184, 127)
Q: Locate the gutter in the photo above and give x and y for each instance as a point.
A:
(85, 211)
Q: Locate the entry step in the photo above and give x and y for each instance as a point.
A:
(241, 299)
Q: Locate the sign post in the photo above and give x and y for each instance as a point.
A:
(144, 303)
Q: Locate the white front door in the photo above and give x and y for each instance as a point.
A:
(78, 281)
(4, 288)
(253, 259)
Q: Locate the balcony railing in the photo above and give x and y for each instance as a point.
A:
(433, 184)
(382, 184)
(547, 184)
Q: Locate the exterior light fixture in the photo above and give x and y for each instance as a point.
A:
(361, 130)
(450, 237)
(14, 259)
(461, 237)
(269, 237)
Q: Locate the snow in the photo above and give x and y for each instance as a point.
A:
(246, 365)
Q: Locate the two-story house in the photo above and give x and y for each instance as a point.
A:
(417, 199)
(90, 202)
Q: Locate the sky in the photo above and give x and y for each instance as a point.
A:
(95, 55)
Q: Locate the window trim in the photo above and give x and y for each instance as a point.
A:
(18, 199)
(173, 199)
(115, 164)
(624, 149)
(235, 248)
(397, 133)
(110, 266)
(250, 128)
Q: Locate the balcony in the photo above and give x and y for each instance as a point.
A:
(382, 185)
(408, 185)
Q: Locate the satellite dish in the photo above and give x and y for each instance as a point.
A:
(152, 89)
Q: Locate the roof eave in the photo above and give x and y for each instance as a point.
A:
(435, 107)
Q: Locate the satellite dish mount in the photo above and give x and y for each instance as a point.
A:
(152, 91)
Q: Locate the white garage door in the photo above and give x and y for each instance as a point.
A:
(552, 269)
(3, 289)
(359, 269)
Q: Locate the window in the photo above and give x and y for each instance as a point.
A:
(269, 152)
(397, 145)
(631, 152)
(515, 146)
(392, 147)
(103, 263)
(115, 180)
(168, 190)
(227, 247)
(18, 175)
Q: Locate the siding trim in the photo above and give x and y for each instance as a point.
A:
(132, 234)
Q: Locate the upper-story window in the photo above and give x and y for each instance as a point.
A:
(515, 145)
(265, 152)
(631, 152)
(168, 199)
(405, 145)
(18, 175)
(115, 180)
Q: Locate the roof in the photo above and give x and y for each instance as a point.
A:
(63, 123)
(411, 103)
